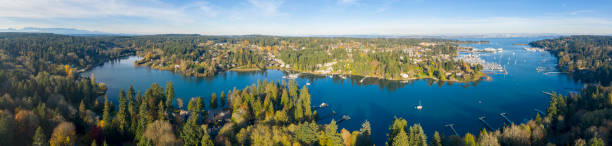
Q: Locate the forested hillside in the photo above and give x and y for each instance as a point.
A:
(44, 100)
(586, 58)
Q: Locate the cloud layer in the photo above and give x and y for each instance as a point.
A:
(280, 17)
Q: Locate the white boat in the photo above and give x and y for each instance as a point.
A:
(419, 107)
(291, 76)
(307, 84)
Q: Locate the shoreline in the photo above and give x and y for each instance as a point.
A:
(481, 76)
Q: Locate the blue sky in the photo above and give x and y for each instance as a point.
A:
(313, 17)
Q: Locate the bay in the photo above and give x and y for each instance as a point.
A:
(516, 93)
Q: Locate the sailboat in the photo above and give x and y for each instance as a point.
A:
(419, 107)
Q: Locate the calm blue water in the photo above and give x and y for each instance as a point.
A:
(516, 93)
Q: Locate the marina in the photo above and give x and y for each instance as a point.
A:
(378, 101)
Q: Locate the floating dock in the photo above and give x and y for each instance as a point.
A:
(452, 127)
(481, 118)
(503, 115)
(344, 118)
(542, 113)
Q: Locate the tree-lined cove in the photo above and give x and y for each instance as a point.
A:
(262, 90)
(518, 93)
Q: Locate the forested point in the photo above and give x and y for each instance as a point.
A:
(585, 58)
(44, 100)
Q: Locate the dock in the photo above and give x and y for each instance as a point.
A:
(452, 127)
(481, 118)
(542, 113)
(344, 118)
(547, 93)
(291, 76)
(361, 81)
(503, 115)
(322, 105)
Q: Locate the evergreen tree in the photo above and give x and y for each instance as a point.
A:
(192, 133)
(223, 100)
(206, 140)
(305, 99)
(145, 142)
(40, 139)
(285, 101)
(213, 101)
(364, 137)
(486, 139)
(131, 93)
(437, 140)
(106, 115)
(169, 94)
(306, 132)
(161, 111)
(298, 112)
(401, 139)
(399, 124)
(331, 137)
(417, 136)
(144, 118)
(122, 113)
(469, 140)
(82, 109)
(596, 141)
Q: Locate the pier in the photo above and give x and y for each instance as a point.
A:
(481, 118)
(547, 93)
(452, 127)
(344, 118)
(291, 76)
(322, 105)
(503, 115)
(361, 81)
(542, 113)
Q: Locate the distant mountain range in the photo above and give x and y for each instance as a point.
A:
(66, 31)
(80, 32)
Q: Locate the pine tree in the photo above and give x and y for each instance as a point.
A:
(169, 94)
(399, 124)
(82, 109)
(468, 140)
(401, 139)
(364, 138)
(192, 133)
(145, 142)
(417, 136)
(92, 80)
(331, 135)
(161, 111)
(40, 139)
(223, 99)
(213, 101)
(298, 113)
(437, 140)
(596, 141)
(131, 93)
(538, 118)
(106, 115)
(285, 101)
(305, 98)
(143, 120)
(206, 140)
(122, 113)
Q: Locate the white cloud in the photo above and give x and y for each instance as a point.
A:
(209, 9)
(49, 9)
(269, 7)
(347, 1)
(578, 12)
